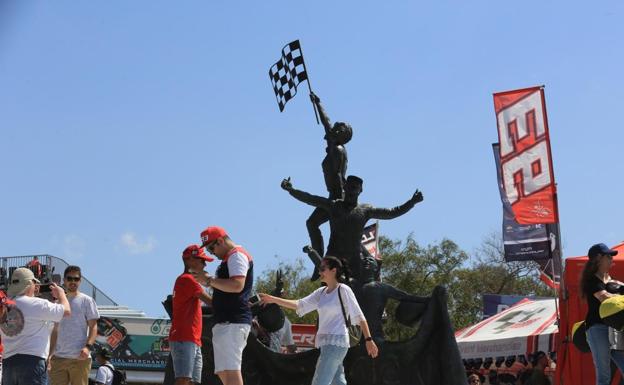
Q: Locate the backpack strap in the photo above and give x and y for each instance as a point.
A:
(344, 313)
(110, 367)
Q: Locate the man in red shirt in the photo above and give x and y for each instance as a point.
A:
(186, 325)
(35, 266)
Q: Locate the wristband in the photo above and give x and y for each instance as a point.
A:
(368, 339)
(89, 346)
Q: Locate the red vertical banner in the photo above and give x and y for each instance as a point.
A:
(526, 161)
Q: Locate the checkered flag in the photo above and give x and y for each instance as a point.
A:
(287, 73)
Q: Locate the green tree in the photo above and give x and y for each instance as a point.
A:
(417, 270)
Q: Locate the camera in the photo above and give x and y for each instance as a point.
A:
(254, 300)
(45, 288)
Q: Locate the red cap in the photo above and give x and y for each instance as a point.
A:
(197, 252)
(211, 234)
(4, 300)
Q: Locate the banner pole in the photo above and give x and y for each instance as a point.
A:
(308, 80)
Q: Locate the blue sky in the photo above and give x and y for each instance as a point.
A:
(127, 127)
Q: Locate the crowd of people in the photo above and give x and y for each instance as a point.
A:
(231, 291)
(51, 342)
(537, 370)
(47, 342)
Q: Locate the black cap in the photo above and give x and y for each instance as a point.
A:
(105, 353)
(600, 249)
(536, 357)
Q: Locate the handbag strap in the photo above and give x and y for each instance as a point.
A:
(344, 314)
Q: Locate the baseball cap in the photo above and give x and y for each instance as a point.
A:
(600, 248)
(4, 300)
(212, 233)
(196, 252)
(20, 279)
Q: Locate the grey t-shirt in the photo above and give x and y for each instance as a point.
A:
(72, 333)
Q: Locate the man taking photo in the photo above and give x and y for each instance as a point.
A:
(25, 327)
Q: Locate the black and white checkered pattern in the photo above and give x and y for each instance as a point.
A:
(287, 73)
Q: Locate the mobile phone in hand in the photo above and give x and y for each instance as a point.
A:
(254, 300)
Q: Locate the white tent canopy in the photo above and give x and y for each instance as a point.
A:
(526, 327)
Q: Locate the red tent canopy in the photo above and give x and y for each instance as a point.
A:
(574, 367)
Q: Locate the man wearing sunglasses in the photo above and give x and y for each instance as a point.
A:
(230, 302)
(73, 338)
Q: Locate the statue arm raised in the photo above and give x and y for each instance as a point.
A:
(383, 213)
(302, 196)
(322, 113)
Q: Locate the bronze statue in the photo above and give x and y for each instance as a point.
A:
(373, 296)
(334, 170)
(347, 218)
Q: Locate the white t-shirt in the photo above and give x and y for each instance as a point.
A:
(238, 264)
(332, 329)
(29, 325)
(104, 375)
(73, 332)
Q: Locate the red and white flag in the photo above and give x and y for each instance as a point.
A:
(370, 240)
(526, 162)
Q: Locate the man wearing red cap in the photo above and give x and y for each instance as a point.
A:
(230, 302)
(186, 323)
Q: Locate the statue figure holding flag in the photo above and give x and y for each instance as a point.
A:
(334, 171)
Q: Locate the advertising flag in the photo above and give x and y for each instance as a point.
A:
(534, 242)
(526, 164)
(370, 240)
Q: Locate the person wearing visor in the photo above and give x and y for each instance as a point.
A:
(186, 323)
(25, 327)
(230, 302)
(593, 288)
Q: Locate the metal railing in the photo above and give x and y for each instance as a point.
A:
(48, 268)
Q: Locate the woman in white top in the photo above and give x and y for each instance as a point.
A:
(332, 336)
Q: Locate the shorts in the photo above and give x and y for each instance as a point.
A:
(187, 360)
(228, 342)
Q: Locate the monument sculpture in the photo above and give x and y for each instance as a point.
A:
(347, 219)
(430, 356)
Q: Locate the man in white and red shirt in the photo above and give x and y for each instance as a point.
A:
(230, 302)
(186, 325)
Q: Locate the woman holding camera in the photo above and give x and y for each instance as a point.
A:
(596, 286)
(332, 336)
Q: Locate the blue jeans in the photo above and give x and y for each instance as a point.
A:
(329, 369)
(598, 340)
(187, 360)
(23, 369)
